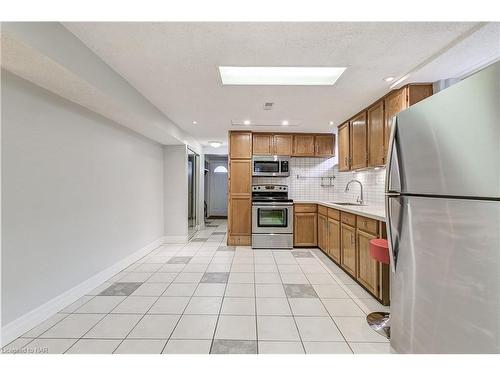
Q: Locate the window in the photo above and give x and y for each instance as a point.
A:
(220, 169)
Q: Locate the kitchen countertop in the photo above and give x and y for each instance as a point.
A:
(373, 212)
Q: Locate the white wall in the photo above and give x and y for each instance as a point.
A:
(176, 193)
(50, 56)
(79, 194)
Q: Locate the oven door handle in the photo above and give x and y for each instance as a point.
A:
(272, 205)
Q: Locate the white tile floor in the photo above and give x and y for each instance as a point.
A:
(204, 297)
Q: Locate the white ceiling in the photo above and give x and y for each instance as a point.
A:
(174, 65)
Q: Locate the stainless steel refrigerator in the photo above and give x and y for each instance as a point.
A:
(443, 220)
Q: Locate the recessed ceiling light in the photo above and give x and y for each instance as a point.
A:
(246, 122)
(276, 75)
(389, 79)
(331, 122)
(215, 144)
(195, 122)
(284, 122)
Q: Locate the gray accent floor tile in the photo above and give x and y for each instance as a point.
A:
(120, 289)
(212, 225)
(221, 233)
(300, 291)
(215, 277)
(302, 254)
(234, 347)
(179, 260)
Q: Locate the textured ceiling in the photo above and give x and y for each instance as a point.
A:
(174, 65)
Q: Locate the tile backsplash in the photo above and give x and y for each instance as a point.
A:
(311, 178)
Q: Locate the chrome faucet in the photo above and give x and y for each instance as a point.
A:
(360, 199)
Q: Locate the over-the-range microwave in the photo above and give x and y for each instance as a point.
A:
(271, 166)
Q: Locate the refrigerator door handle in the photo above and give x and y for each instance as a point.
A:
(393, 171)
(388, 193)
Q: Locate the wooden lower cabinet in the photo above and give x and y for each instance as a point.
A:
(323, 232)
(348, 249)
(333, 247)
(368, 269)
(305, 229)
(240, 221)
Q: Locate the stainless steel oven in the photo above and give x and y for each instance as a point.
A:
(272, 217)
(271, 166)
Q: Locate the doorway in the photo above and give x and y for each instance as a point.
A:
(193, 176)
(216, 186)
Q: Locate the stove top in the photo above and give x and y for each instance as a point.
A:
(270, 193)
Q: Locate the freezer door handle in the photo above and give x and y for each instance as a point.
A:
(390, 239)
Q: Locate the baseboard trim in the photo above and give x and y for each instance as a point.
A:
(175, 239)
(16, 328)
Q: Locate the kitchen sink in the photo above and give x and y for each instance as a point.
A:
(349, 203)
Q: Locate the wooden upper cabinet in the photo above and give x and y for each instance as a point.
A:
(283, 144)
(359, 157)
(324, 145)
(240, 177)
(289, 144)
(240, 145)
(344, 147)
(393, 103)
(303, 145)
(376, 139)
(262, 144)
(418, 92)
